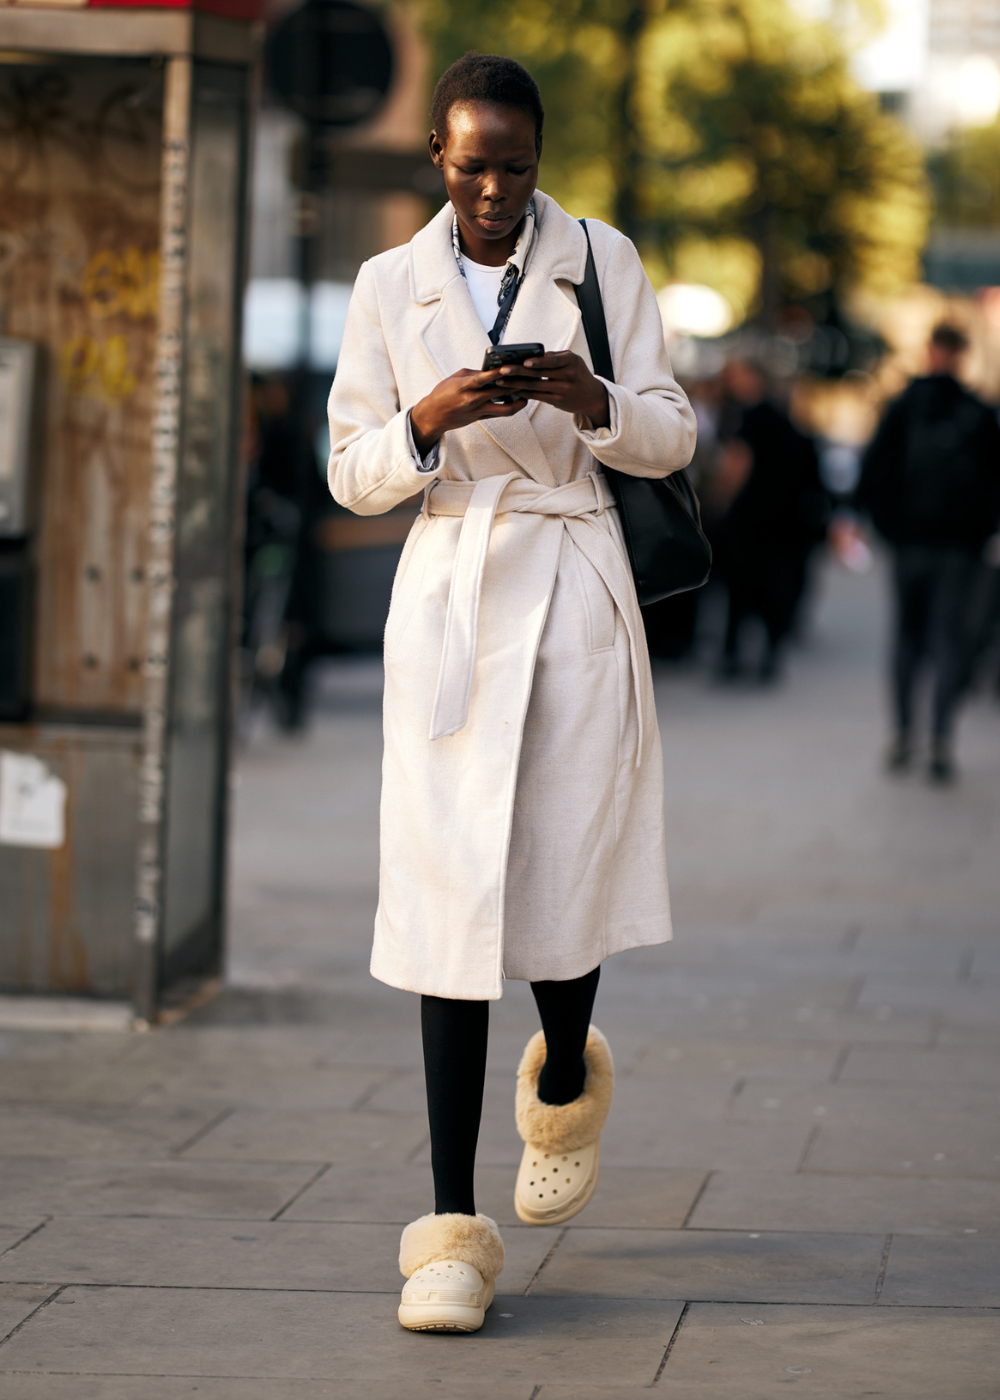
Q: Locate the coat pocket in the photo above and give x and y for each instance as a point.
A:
(405, 590)
(597, 602)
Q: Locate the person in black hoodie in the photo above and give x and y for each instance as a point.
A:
(930, 482)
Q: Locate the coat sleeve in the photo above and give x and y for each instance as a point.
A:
(653, 428)
(372, 467)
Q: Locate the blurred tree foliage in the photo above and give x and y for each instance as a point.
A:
(966, 178)
(727, 137)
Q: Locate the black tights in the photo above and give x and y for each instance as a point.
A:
(455, 1035)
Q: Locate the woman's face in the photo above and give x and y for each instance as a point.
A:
(490, 167)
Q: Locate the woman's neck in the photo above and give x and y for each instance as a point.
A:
(489, 252)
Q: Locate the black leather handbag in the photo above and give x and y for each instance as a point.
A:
(660, 517)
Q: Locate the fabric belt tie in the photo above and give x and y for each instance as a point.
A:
(578, 505)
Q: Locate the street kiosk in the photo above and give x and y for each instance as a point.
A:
(123, 172)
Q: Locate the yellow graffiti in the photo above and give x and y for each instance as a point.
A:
(122, 283)
(78, 360)
(89, 366)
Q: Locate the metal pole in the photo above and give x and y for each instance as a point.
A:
(166, 439)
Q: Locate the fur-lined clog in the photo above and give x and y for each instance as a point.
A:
(562, 1153)
(450, 1263)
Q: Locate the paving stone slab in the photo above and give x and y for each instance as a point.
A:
(315, 1089)
(79, 1048)
(233, 1254)
(677, 1102)
(935, 1108)
(849, 1203)
(96, 1131)
(730, 1059)
(257, 1043)
(741, 989)
(56, 1081)
(964, 1003)
(45, 1386)
(346, 1030)
(339, 1337)
(648, 1139)
(758, 1353)
(986, 961)
(963, 1068)
(18, 1301)
(710, 1265)
(271, 1136)
(625, 1196)
(12, 1231)
(394, 1195)
(823, 1024)
(797, 1023)
(117, 1186)
(952, 1035)
(957, 1145)
(962, 1272)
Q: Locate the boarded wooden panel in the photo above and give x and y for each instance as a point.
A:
(80, 149)
(66, 914)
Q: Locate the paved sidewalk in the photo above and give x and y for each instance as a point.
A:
(801, 1183)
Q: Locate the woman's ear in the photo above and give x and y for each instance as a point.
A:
(436, 146)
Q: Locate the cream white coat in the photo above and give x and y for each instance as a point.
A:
(522, 812)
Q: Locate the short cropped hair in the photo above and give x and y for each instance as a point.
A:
(486, 77)
(948, 337)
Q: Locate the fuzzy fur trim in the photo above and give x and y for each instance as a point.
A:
(469, 1239)
(564, 1127)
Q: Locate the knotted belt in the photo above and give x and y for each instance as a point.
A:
(578, 505)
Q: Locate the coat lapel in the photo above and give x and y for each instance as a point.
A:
(453, 335)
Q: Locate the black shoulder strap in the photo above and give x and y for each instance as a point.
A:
(595, 327)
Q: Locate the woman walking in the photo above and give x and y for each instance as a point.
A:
(521, 820)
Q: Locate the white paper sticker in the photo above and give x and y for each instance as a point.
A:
(32, 802)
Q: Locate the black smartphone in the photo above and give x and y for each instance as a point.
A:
(499, 355)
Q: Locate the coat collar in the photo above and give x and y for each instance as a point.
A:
(453, 335)
(560, 250)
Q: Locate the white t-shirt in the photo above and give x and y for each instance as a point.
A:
(484, 288)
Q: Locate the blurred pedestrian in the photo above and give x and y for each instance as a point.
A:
(930, 481)
(522, 819)
(284, 493)
(768, 511)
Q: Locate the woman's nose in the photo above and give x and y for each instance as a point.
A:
(493, 188)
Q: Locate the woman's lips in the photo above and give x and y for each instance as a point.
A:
(493, 222)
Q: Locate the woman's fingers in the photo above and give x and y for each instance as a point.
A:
(503, 410)
(555, 359)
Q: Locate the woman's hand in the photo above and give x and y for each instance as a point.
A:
(464, 397)
(563, 380)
